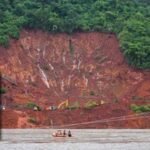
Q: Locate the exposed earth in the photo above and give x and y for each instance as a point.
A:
(47, 69)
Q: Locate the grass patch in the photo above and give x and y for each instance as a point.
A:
(92, 93)
(90, 105)
(32, 105)
(32, 120)
(74, 106)
(2, 90)
(139, 109)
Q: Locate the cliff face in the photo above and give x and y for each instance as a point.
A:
(49, 68)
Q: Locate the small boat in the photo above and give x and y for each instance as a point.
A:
(55, 135)
(59, 134)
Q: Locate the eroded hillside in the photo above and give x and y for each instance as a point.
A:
(50, 68)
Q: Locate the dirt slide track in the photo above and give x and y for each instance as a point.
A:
(50, 68)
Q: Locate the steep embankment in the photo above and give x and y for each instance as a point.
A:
(49, 68)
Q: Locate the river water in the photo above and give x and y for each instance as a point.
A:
(84, 139)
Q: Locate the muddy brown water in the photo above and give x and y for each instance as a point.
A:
(89, 139)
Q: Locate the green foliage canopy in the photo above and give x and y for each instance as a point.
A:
(129, 19)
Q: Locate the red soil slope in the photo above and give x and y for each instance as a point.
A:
(49, 68)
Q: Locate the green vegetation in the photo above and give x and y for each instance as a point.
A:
(75, 105)
(129, 19)
(32, 120)
(2, 90)
(90, 105)
(32, 105)
(116, 100)
(139, 109)
(92, 93)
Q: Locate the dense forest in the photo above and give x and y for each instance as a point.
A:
(129, 19)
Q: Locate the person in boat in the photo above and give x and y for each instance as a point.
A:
(59, 133)
(69, 134)
(64, 133)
